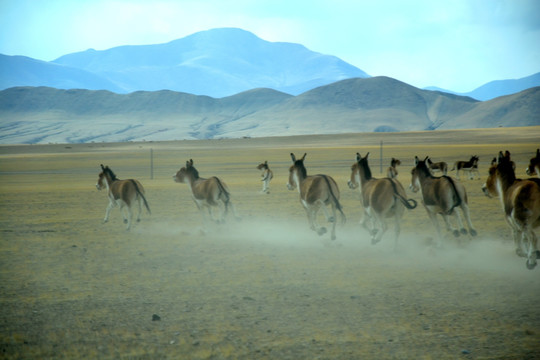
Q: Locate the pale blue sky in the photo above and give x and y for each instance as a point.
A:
(454, 44)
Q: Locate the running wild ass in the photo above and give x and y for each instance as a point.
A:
(441, 195)
(392, 172)
(211, 193)
(316, 192)
(266, 176)
(122, 193)
(520, 200)
(470, 166)
(438, 166)
(534, 165)
(381, 199)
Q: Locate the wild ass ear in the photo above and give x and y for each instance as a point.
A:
(501, 157)
(358, 157)
(102, 168)
(426, 158)
(293, 157)
(265, 162)
(537, 152)
(416, 160)
(303, 157)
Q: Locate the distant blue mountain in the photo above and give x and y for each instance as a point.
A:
(218, 63)
(21, 70)
(497, 88)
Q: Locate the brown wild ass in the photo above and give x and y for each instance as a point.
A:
(438, 166)
(441, 195)
(208, 193)
(381, 199)
(266, 176)
(534, 165)
(316, 192)
(520, 200)
(470, 166)
(122, 193)
(392, 172)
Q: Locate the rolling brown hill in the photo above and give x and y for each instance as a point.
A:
(37, 115)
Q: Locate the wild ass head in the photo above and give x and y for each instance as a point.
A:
(297, 172)
(360, 171)
(187, 173)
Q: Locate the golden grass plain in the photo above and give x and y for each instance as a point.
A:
(265, 287)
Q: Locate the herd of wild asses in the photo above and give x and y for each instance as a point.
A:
(382, 199)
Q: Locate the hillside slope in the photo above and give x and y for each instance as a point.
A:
(41, 115)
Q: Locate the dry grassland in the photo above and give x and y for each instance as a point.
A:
(265, 287)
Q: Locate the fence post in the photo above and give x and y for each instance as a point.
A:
(151, 164)
(381, 169)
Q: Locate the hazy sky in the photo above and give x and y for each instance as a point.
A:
(454, 44)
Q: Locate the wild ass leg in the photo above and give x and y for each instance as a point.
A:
(519, 238)
(461, 227)
(433, 218)
(139, 200)
(467, 216)
(331, 218)
(532, 252)
(312, 212)
(449, 226)
(397, 230)
(379, 228)
(108, 210)
(123, 209)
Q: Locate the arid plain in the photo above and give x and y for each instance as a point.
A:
(264, 287)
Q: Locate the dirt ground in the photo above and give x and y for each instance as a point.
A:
(264, 287)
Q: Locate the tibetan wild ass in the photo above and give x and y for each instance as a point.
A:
(381, 199)
(520, 200)
(441, 195)
(392, 172)
(208, 193)
(122, 193)
(316, 192)
(470, 166)
(438, 166)
(534, 165)
(266, 176)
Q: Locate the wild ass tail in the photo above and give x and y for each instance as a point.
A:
(459, 200)
(224, 192)
(141, 195)
(335, 199)
(409, 203)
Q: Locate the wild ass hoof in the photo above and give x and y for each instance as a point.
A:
(520, 253)
(530, 266)
(463, 231)
(125, 221)
(473, 232)
(321, 231)
(331, 219)
(456, 233)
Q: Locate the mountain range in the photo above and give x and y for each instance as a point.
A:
(218, 62)
(43, 115)
(229, 83)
